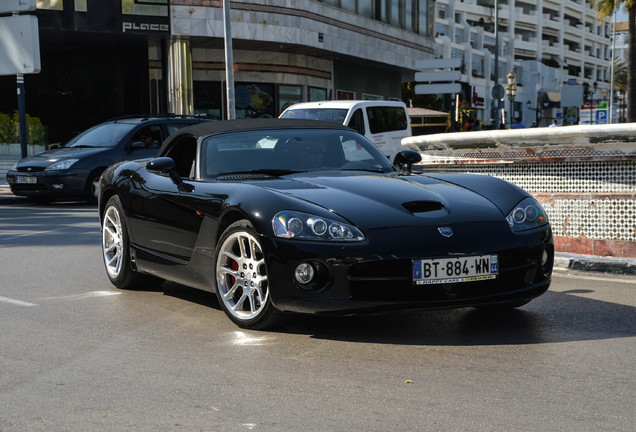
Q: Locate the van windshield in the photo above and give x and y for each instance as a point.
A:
(334, 115)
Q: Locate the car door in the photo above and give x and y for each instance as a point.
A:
(163, 218)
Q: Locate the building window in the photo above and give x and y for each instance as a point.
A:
(254, 100)
(289, 95)
(208, 98)
(345, 95)
(317, 94)
(413, 15)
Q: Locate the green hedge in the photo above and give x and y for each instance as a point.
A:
(10, 129)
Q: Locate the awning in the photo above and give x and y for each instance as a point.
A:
(549, 99)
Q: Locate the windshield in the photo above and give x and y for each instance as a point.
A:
(103, 135)
(334, 115)
(285, 151)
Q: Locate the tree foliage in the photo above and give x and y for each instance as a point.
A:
(10, 129)
(605, 9)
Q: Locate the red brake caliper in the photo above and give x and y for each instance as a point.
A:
(235, 266)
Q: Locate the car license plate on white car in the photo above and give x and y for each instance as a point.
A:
(26, 179)
(452, 270)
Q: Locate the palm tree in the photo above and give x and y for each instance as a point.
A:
(606, 9)
(621, 73)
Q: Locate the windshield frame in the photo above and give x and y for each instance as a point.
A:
(291, 150)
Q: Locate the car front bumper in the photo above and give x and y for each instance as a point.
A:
(47, 184)
(377, 275)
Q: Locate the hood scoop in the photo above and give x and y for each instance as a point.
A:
(416, 207)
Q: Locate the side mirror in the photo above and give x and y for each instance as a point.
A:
(405, 159)
(134, 146)
(160, 165)
(165, 165)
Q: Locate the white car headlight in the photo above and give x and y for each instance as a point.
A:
(298, 225)
(61, 165)
(526, 215)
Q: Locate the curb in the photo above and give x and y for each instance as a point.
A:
(591, 263)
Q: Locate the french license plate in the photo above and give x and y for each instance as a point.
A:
(26, 179)
(452, 270)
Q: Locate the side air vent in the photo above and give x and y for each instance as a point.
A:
(423, 206)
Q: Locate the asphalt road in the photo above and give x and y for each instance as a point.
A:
(76, 354)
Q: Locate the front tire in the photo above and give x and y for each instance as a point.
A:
(242, 279)
(116, 248)
(91, 187)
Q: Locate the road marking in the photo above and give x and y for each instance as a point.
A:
(36, 233)
(16, 302)
(85, 295)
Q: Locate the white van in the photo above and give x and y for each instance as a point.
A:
(384, 123)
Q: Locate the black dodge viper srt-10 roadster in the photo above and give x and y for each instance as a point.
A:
(279, 216)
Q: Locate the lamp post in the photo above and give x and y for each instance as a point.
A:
(592, 91)
(511, 91)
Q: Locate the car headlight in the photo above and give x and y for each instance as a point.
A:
(526, 215)
(61, 165)
(298, 225)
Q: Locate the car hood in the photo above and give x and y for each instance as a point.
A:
(46, 158)
(377, 201)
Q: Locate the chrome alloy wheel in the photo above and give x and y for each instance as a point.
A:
(242, 276)
(112, 241)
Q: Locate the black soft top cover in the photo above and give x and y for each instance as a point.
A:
(214, 127)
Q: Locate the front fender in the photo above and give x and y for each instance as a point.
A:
(503, 194)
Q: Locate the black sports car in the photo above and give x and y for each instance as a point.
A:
(304, 216)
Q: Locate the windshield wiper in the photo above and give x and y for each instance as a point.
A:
(373, 170)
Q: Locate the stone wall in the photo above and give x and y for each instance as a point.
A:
(584, 176)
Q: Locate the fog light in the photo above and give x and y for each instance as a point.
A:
(57, 186)
(544, 258)
(304, 273)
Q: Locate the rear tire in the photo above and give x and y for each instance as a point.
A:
(242, 279)
(116, 249)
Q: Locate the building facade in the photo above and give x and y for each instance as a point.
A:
(116, 57)
(546, 44)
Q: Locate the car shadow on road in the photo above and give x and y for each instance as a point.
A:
(552, 318)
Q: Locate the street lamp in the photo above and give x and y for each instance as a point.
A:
(511, 91)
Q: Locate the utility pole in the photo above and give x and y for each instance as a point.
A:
(229, 61)
(496, 90)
